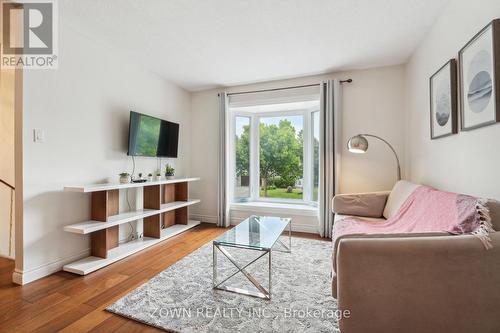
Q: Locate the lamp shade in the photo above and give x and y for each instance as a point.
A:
(357, 144)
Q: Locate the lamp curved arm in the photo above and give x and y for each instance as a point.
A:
(391, 147)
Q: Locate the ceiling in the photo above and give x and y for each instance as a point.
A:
(201, 44)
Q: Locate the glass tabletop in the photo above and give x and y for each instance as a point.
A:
(259, 232)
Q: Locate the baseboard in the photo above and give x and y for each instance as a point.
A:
(203, 218)
(22, 277)
(310, 229)
(17, 277)
(273, 209)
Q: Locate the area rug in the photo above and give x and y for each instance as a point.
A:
(181, 298)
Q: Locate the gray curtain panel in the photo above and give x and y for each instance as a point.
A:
(329, 160)
(222, 200)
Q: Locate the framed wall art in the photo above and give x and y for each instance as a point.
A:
(443, 100)
(479, 69)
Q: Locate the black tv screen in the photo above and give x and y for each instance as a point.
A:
(153, 137)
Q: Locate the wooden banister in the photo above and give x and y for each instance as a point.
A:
(7, 184)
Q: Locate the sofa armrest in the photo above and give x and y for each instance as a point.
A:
(361, 204)
(421, 284)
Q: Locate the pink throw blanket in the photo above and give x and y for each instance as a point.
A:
(427, 210)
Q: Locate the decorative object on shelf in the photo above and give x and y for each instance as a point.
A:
(139, 179)
(158, 175)
(358, 144)
(169, 171)
(124, 178)
(479, 65)
(150, 177)
(443, 93)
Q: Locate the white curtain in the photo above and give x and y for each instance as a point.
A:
(329, 160)
(222, 192)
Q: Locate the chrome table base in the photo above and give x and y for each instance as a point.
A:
(263, 292)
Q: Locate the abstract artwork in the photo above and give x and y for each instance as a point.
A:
(479, 72)
(443, 98)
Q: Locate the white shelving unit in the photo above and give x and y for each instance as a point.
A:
(165, 200)
(90, 264)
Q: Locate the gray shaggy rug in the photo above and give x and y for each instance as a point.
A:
(181, 298)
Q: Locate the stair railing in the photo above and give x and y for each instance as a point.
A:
(11, 213)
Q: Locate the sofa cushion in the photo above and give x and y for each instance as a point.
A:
(401, 191)
(361, 204)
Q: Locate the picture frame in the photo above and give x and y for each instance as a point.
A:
(443, 101)
(479, 72)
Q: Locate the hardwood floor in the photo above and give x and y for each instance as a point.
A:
(70, 303)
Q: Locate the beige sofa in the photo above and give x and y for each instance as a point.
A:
(413, 283)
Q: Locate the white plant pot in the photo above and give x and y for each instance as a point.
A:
(170, 177)
(157, 178)
(124, 179)
(150, 178)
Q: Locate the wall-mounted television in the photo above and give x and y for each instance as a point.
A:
(153, 137)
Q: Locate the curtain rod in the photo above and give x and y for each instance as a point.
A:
(285, 88)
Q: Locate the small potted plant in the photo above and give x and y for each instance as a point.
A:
(150, 177)
(140, 175)
(158, 175)
(124, 178)
(169, 171)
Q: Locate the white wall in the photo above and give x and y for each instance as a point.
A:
(373, 103)
(84, 107)
(467, 162)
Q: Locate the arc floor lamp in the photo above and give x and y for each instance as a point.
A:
(358, 144)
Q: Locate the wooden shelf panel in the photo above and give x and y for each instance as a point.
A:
(92, 226)
(117, 186)
(90, 264)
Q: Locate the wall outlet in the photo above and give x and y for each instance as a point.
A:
(38, 136)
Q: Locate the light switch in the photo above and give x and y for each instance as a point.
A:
(39, 135)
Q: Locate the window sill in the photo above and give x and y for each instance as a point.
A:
(275, 208)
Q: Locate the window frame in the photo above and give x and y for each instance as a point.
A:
(232, 158)
(311, 174)
(254, 172)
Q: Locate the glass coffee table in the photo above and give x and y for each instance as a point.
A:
(256, 233)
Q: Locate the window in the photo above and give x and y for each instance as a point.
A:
(275, 152)
(281, 157)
